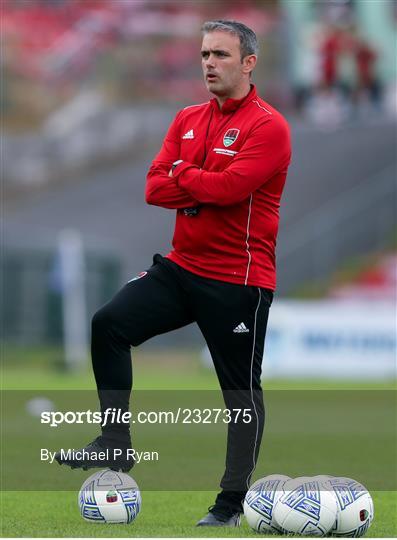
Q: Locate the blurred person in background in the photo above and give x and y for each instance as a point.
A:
(330, 99)
(222, 168)
(348, 79)
(368, 84)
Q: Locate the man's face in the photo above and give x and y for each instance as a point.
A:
(221, 61)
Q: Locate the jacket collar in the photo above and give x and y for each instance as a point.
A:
(232, 105)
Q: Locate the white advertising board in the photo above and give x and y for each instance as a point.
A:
(332, 339)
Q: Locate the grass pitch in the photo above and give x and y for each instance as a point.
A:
(163, 513)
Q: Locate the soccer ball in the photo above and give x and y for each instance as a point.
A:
(306, 508)
(109, 497)
(260, 500)
(355, 509)
(322, 477)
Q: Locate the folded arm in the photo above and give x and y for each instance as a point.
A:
(162, 189)
(265, 152)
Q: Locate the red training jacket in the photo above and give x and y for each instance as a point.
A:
(235, 162)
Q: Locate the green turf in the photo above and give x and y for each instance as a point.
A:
(340, 433)
(163, 514)
(173, 514)
(154, 369)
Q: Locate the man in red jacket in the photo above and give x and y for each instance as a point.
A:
(222, 167)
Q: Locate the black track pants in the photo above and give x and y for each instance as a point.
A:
(232, 319)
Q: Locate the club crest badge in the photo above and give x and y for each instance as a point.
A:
(230, 137)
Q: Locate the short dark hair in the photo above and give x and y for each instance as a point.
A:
(247, 37)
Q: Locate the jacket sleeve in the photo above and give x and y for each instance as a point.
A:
(161, 190)
(265, 152)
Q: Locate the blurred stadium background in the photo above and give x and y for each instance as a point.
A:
(89, 88)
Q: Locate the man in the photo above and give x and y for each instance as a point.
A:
(222, 167)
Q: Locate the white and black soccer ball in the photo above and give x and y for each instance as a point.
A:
(305, 508)
(260, 500)
(355, 508)
(109, 497)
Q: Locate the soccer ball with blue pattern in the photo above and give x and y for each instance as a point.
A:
(355, 509)
(260, 500)
(306, 508)
(109, 497)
